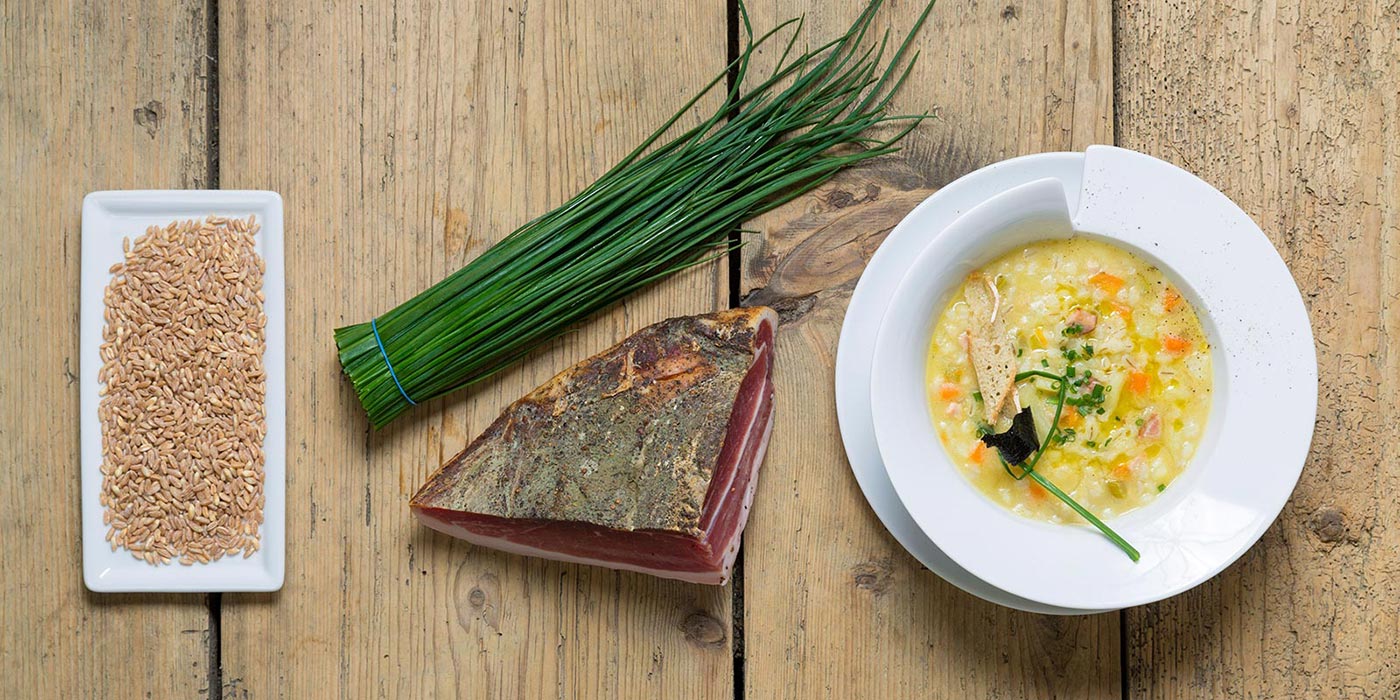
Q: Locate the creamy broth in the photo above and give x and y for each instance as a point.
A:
(1136, 359)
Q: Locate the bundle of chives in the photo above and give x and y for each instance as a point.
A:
(663, 208)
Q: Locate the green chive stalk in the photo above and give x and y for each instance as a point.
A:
(1028, 469)
(666, 206)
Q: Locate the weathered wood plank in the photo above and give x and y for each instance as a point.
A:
(405, 139)
(1293, 109)
(91, 97)
(833, 607)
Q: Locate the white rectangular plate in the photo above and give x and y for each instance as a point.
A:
(107, 218)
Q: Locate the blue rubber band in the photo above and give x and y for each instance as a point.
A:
(373, 326)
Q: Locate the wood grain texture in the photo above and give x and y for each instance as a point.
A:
(91, 98)
(406, 138)
(833, 606)
(1292, 108)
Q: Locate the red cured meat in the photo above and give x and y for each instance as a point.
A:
(644, 457)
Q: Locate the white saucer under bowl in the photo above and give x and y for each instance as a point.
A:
(1262, 414)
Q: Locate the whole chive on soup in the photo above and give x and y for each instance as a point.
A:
(1129, 349)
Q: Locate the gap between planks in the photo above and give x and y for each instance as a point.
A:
(215, 601)
(734, 260)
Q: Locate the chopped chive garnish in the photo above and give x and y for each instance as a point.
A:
(1161, 488)
(1091, 444)
(977, 396)
(1044, 362)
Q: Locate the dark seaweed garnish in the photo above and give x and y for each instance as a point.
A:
(1019, 441)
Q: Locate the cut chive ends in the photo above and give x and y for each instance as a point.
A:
(668, 205)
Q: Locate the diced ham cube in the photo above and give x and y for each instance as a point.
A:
(1151, 427)
(1085, 320)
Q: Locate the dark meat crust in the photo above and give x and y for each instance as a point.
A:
(626, 439)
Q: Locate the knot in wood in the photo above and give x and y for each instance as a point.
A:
(703, 630)
(1328, 524)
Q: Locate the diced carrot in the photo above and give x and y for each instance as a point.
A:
(1175, 344)
(1171, 299)
(948, 391)
(1070, 417)
(1038, 492)
(1109, 283)
(978, 452)
(1138, 382)
(1122, 472)
(1123, 310)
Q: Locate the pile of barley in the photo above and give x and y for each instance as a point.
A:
(183, 389)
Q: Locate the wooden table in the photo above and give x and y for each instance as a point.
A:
(406, 137)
